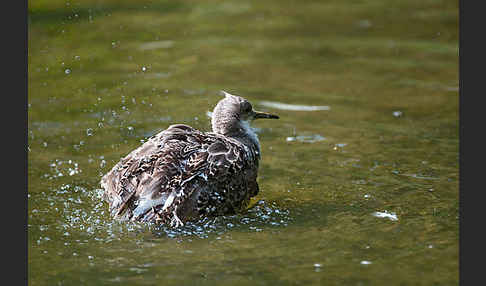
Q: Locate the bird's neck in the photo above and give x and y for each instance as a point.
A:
(250, 136)
(244, 133)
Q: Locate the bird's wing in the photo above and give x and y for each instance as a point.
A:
(157, 174)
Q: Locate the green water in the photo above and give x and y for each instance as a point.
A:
(105, 75)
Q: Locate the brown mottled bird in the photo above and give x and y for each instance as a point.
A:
(183, 174)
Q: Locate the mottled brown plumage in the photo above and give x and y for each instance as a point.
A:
(181, 173)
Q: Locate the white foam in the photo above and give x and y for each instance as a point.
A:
(385, 214)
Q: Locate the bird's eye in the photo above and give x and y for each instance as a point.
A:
(247, 108)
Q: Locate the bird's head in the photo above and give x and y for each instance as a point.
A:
(233, 113)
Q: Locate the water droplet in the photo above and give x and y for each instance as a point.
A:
(67, 71)
(144, 68)
(365, 262)
(89, 132)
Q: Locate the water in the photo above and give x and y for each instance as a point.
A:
(365, 191)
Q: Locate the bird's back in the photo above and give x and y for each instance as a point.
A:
(180, 174)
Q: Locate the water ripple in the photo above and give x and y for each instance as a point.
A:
(294, 107)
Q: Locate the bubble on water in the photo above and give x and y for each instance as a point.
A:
(77, 58)
(67, 71)
(89, 132)
(397, 113)
(339, 146)
(364, 24)
(144, 68)
(365, 262)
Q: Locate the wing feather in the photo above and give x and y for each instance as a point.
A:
(152, 181)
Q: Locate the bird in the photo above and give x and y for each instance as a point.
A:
(183, 174)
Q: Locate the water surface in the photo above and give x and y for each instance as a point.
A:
(359, 176)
